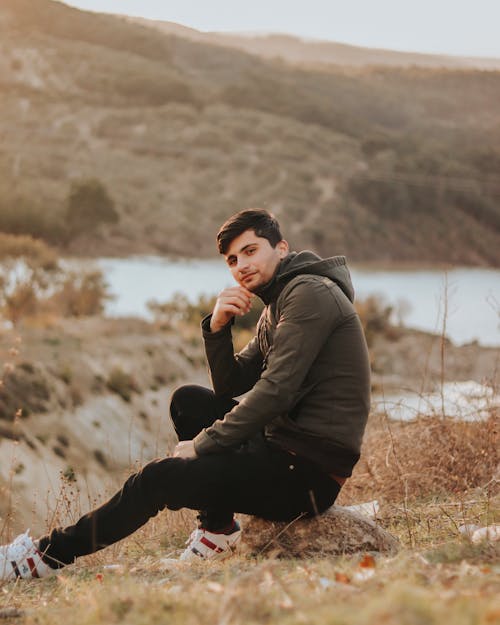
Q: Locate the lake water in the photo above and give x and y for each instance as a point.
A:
(473, 295)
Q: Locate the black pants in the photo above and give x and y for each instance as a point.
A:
(256, 479)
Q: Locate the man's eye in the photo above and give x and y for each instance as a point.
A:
(251, 250)
(231, 262)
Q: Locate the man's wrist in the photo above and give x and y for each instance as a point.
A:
(215, 327)
(207, 330)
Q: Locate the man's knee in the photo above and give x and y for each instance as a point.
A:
(186, 398)
(164, 483)
(191, 410)
(156, 478)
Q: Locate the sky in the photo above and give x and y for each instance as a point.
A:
(460, 27)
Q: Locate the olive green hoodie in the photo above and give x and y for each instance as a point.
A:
(306, 373)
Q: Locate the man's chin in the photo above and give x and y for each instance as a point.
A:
(252, 283)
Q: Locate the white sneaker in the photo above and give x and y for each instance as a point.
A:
(22, 559)
(204, 544)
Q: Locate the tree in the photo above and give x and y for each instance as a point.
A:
(88, 206)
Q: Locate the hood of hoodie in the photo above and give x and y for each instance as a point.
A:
(296, 263)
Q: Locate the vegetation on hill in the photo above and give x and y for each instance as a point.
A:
(383, 164)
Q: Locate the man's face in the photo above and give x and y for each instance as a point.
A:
(252, 260)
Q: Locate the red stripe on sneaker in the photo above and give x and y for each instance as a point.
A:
(13, 564)
(210, 544)
(32, 565)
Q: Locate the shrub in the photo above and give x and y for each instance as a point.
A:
(375, 316)
(65, 374)
(32, 282)
(89, 205)
(100, 457)
(20, 302)
(59, 451)
(27, 268)
(22, 216)
(122, 383)
(35, 252)
(81, 294)
(63, 440)
(69, 474)
(20, 388)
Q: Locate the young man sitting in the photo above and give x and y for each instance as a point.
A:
(285, 449)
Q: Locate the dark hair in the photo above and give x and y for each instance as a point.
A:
(259, 220)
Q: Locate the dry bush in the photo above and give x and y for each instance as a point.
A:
(425, 458)
(80, 295)
(24, 390)
(34, 284)
(375, 315)
(122, 384)
(34, 251)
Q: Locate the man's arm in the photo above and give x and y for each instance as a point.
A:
(232, 374)
(310, 312)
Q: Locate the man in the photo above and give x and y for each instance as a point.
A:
(285, 449)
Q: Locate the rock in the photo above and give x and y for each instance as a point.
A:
(335, 532)
(9, 613)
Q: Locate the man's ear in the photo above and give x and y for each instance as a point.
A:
(283, 248)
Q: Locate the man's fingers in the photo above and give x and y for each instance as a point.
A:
(233, 310)
(230, 302)
(237, 290)
(236, 300)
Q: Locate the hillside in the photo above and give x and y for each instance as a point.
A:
(310, 52)
(380, 163)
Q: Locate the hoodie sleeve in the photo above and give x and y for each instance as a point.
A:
(310, 311)
(232, 374)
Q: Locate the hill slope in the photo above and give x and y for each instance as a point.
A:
(310, 52)
(384, 164)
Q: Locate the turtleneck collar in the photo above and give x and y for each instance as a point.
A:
(269, 292)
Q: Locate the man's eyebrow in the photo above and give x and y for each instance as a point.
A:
(247, 246)
(228, 258)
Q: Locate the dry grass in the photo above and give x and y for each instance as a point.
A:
(130, 584)
(426, 458)
(438, 575)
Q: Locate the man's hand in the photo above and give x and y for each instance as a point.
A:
(231, 302)
(185, 449)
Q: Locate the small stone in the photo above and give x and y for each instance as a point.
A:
(11, 613)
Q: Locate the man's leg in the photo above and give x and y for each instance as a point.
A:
(193, 408)
(265, 482)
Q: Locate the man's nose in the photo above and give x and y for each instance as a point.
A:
(242, 263)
